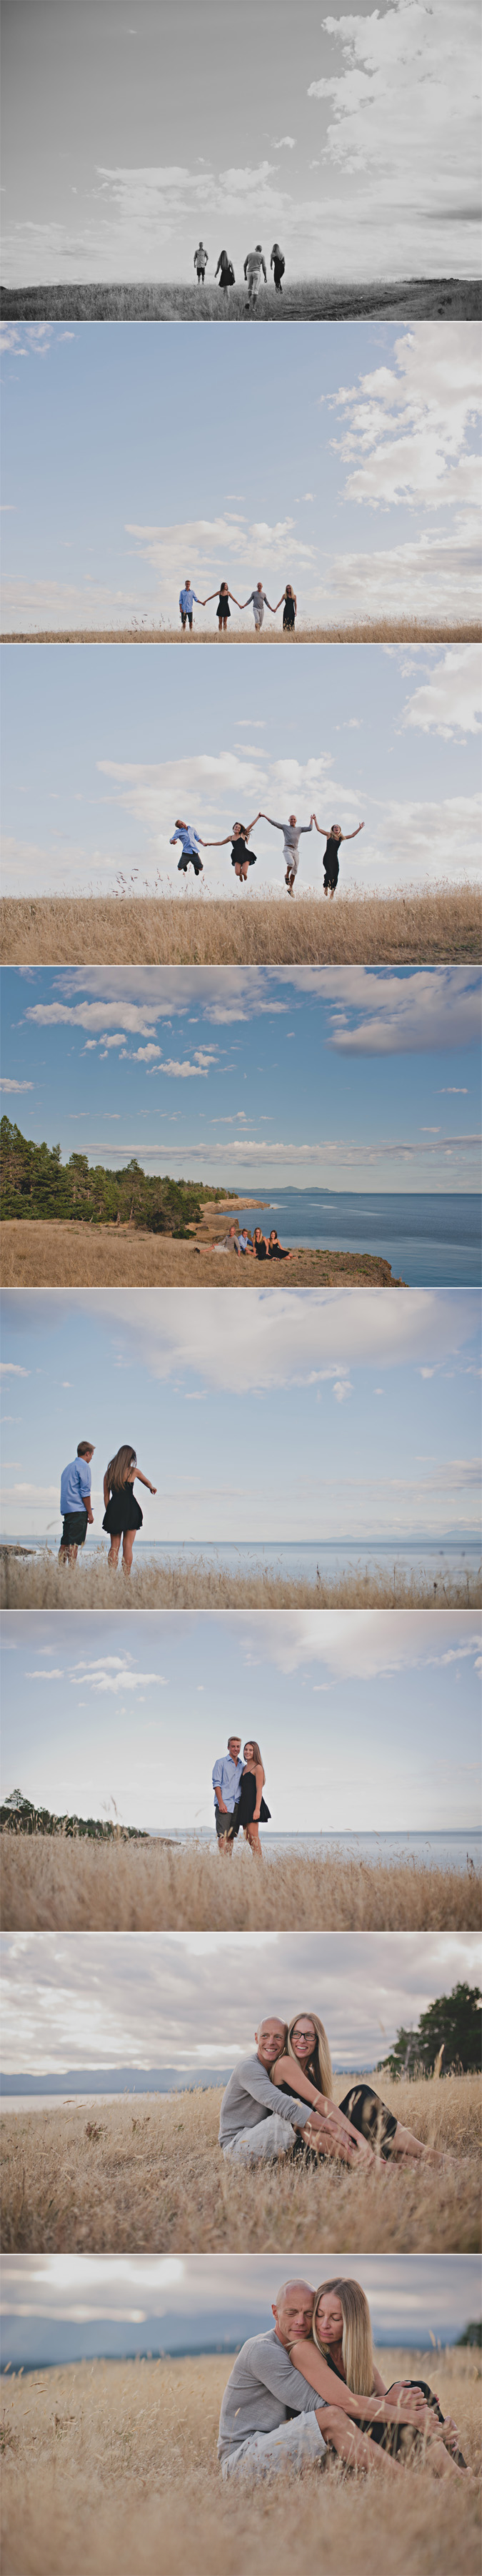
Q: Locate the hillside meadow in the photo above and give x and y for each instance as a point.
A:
(145, 2174)
(112, 2465)
(361, 630)
(43, 1253)
(53, 1883)
(411, 926)
(302, 300)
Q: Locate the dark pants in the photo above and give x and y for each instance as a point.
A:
(186, 619)
(277, 274)
(74, 1529)
(369, 2114)
(201, 276)
(184, 864)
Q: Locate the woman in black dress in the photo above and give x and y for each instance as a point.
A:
(222, 612)
(361, 2125)
(338, 2361)
(275, 1248)
(252, 1809)
(225, 271)
(241, 857)
(289, 610)
(122, 1515)
(333, 840)
(278, 266)
(260, 1245)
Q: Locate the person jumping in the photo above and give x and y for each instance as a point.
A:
(190, 853)
(331, 861)
(292, 832)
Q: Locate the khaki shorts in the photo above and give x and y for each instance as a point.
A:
(266, 2453)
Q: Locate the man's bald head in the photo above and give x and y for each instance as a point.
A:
(293, 2311)
(270, 2040)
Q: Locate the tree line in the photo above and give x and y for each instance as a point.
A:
(35, 1183)
(18, 1815)
(451, 2030)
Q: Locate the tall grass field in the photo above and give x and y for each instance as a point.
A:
(112, 2466)
(411, 926)
(38, 1582)
(145, 2174)
(407, 299)
(41, 1253)
(50, 1883)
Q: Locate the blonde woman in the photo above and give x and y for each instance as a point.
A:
(364, 2121)
(122, 1515)
(252, 1809)
(338, 2362)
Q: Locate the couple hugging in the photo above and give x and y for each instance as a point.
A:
(310, 2387)
(279, 2102)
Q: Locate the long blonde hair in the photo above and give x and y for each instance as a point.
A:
(318, 2066)
(357, 2345)
(257, 1758)
(117, 1472)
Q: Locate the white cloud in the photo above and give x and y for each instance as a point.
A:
(278, 1337)
(362, 1644)
(404, 107)
(408, 423)
(5, 1085)
(449, 701)
(9, 1368)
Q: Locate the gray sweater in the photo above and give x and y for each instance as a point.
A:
(250, 2097)
(262, 2392)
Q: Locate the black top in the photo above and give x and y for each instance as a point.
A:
(260, 1250)
(247, 1801)
(332, 848)
(240, 852)
(223, 608)
(289, 612)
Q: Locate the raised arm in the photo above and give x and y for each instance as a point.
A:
(321, 827)
(269, 818)
(352, 836)
(250, 826)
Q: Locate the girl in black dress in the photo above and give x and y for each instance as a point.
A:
(241, 857)
(123, 1516)
(333, 839)
(278, 266)
(338, 2361)
(361, 2125)
(224, 271)
(252, 1809)
(260, 1245)
(289, 610)
(222, 612)
(275, 1248)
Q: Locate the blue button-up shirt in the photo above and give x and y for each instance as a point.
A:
(188, 836)
(186, 598)
(226, 1777)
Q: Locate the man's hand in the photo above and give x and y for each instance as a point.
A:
(224, 1811)
(90, 1514)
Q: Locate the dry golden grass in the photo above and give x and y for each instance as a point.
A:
(40, 1583)
(151, 2178)
(50, 1884)
(49, 1254)
(358, 630)
(113, 2466)
(302, 300)
(410, 926)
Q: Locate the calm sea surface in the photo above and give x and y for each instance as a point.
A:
(432, 1240)
(300, 1559)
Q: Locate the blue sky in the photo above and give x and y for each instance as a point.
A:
(357, 140)
(194, 1999)
(341, 458)
(160, 1058)
(370, 1398)
(88, 1719)
(102, 750)
(412, 2297)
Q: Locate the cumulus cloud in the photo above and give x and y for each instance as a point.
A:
(403, 103)
(408, 425)
(6, 1085)
(277, 1342)
(449, 701)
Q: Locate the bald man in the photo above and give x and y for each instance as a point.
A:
(250, 2129)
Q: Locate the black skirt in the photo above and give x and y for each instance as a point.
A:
(223, 608)
(123, 1512)
(247, 1802)
(240, 852)
(289, 612)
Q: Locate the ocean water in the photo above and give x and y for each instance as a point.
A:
(432, 1240)
(447, 1849)
(298, 1559)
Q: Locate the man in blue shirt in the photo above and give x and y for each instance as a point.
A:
(226, 1779)
(75, 1502)
(185, 833)
(186, 603)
